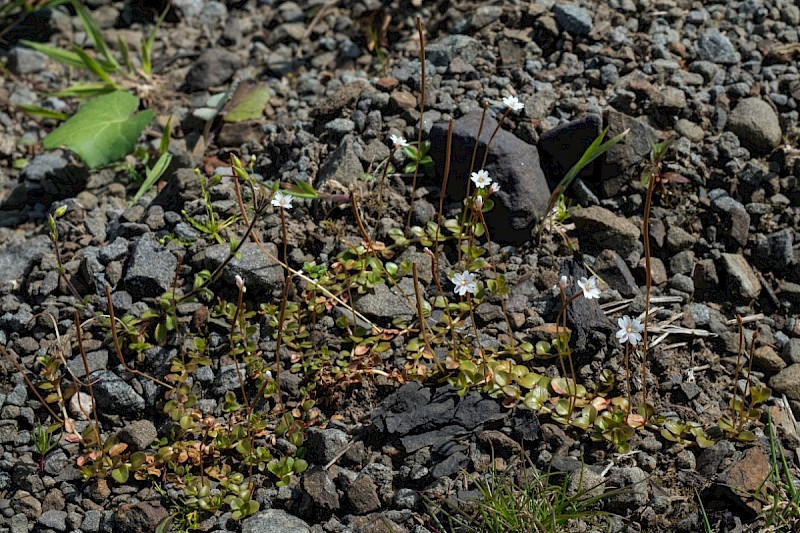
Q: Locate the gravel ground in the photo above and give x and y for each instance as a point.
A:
(719, 78)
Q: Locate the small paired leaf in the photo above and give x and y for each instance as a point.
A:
(103, 130)
(120, 474)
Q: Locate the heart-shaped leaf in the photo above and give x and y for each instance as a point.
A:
(103, 130)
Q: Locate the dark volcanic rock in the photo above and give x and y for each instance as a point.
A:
(138, 517)
(599, 229)
(512, 163)
(116, 395)
(258, 271)
(561, 147)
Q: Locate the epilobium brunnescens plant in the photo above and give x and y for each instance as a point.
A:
(212, 458)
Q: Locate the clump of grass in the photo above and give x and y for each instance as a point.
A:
(530, 502)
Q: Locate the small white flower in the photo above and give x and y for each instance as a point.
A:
(399, 142)
(481, 178)
(513, 103)
(282, 200)
(630, 330)
(494, 187)
(479, 201)
(464, 282)
(268, 375)
(240, 283)
(563, 282)
(590, 287)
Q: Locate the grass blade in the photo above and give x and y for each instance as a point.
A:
(42, 112)
(60, 55)
(85, 90)
(126, 56)
(153, 175)
(91, 64)
(147, 45)
(163, 147)
(93, 30)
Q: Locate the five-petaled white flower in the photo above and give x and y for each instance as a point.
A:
(513, 103)
(464, 282)
(399, 142)
(494, 187)
(481, 178)
(282, 200)
(630, 330)
(590, 287)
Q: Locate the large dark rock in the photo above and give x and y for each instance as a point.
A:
(257, 269)
(561, 147)
(512, 163)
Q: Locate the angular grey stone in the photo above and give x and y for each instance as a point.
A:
(324, 445)
(18, 256)
(259, 272)
(24, 60)
(363, 495)
(717, 48)
(228, 379)
(321, 489)
(150, 270)
(613, 270)
(512, 163)
(683, 283)
(97, 360)
(637, 489)
(599, 229)
(682, 262)
(442, 52)
(742, 281)
(274, 521)
(115, 395)
(623, 157)
(114, 251)
(756, 124)
(215, 66)
(138, 435)
(343, 165)
(733, 217)
(388, 302)
(787, 382)
(791, 351)
(54, 520)
(574, 19)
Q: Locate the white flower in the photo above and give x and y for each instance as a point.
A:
(494, 187)
(481, 178)
(464, 282)
(630, 330)
(479, 201)
(513, 103)
(240, 283)
(282, 200)
(399, 142)
(590, 287)
(563, 282)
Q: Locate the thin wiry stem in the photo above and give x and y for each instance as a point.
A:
(421, 112)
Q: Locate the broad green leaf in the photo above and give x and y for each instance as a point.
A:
(249, 105)
(103, 130)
